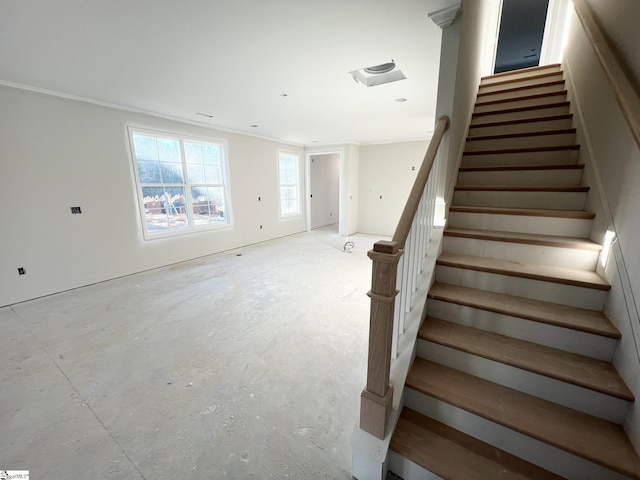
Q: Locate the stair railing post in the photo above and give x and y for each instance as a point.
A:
(377, 397)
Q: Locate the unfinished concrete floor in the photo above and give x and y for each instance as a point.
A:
(227, 366)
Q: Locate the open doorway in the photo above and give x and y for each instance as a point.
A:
(522, 28)
(324, 189)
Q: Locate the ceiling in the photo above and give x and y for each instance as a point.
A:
(235, 60)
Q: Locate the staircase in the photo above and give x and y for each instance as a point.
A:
(513, 376)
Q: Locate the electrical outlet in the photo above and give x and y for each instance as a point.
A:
(75, 210)
(21, 271)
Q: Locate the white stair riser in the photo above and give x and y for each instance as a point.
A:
(518, 78)
(572, 295)
(538, 200)
(548, 157)
(520, 142)
(522, 178)
(556, 391)
(553, 459)
(408, 470)
(519, 115)
(580, 259)
(532, 90)
(569, 227)
(520, 102)
(582, 343)
(524, 127)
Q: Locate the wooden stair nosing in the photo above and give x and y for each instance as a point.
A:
(535, 96)
(531, 212)
(524, 238)
(506, 168)
(546, 118)
(545, 273)
(511, 151)
(520, 109)
(522, 70)
(592, 374)
(552, 83)
(450, 453)
(511, 188)
(579, 319)
(540, 133)
(591, 438)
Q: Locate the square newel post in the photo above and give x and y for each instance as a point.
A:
(376, 398)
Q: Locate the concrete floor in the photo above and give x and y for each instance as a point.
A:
(227, 366)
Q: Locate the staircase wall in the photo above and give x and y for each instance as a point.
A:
(612, 160)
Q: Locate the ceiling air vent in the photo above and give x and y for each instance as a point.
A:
(378, 74)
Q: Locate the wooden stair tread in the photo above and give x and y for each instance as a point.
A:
(532, 212)
(510, 73)
(539, 133)
(567, 276)
(501, 123)
(579, 319)
(520, 188)
(498, 151)
(508, 168)
(451, 454)
(527, 238)
(551, 83)
(535, 96)
(592, 438)
(587, 372)
(520, 109)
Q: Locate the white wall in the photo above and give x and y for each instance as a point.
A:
(612, 170)
(387, 173)
(56, 153)
(324, 193)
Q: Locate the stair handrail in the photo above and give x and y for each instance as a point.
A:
(626, 94)
(376, 399)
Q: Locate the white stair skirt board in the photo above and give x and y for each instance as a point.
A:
(532, 125)
(575, 296)
(546, 157)
(524, 199)
(557, 391)
(534, 100)
(569, 227)
(539, 453)
(550, 177)
(559, 108)
(521, 141)
(409, 470)
(582, 343)
(551, 86)
(525, 253)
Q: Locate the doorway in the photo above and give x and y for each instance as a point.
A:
(522, 28)
(324, 189)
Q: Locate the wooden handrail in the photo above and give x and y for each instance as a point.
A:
(410, 208)
(376, 398)
(627, 96)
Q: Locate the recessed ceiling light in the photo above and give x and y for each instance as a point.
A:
(253, 126)
(401, 100)
(378, 74)
(284, 94)
(204, 115)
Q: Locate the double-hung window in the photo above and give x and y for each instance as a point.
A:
(289, 184)
(181, 183)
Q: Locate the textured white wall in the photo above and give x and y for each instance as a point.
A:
(612, 170)
(56, 153)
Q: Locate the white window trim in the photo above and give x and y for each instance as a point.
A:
(298, 185)
(190, 229)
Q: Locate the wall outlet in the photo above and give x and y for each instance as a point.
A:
(75, 210)
(21, 271)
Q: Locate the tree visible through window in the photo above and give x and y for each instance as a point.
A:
(289, 184)
(181, 182)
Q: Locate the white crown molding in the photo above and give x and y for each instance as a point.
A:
(446, 16)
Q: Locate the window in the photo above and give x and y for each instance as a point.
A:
(289, 184)
(181, 183)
